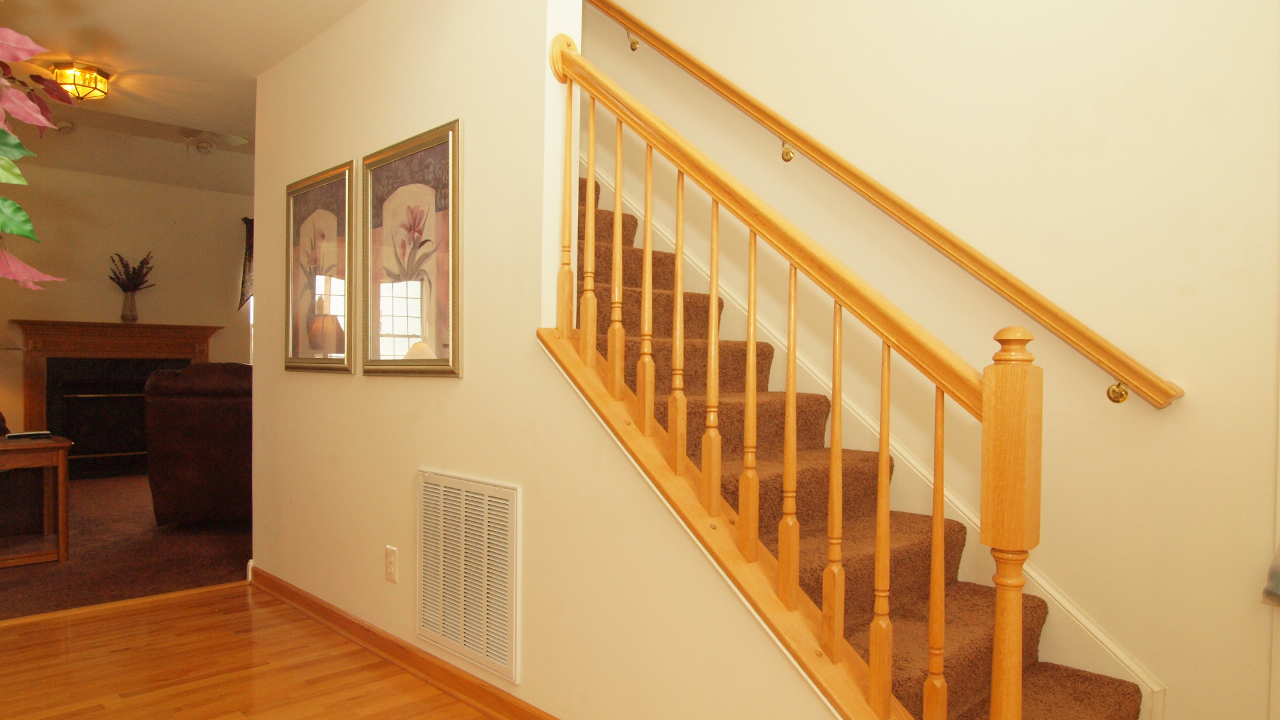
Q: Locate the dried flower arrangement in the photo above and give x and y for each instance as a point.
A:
(130, 278)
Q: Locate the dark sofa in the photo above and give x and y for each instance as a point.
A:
(200, 443)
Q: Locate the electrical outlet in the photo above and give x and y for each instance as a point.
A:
(393, 564)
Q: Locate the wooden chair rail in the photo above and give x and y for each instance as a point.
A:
(930, 356)
(1119, 364)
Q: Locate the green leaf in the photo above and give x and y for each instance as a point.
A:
(9, 172)
(11, 147)
(15, 221)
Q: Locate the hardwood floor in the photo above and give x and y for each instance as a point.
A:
(227, 652)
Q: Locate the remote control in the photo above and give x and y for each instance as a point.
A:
(34, 435)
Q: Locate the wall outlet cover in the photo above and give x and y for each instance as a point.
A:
(393, 564)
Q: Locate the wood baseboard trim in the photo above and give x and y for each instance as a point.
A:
(483, 696)
(102, 607)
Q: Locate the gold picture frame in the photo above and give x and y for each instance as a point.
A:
(319, 265)
(411, 256)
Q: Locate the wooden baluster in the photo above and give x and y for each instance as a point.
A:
(617, 338)
(749, 482)
(677, 403)
(1012, 405)
(645, 367)
(833, 575)
(709, 493)
(789, 526)
(587, 307)
(935, 685)
(564, 280)
(880, 677)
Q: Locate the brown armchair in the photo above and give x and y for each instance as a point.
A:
(200, 443)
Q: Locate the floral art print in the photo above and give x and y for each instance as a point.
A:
(411, 256)
(318, 288)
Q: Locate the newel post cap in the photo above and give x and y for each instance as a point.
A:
(559, 45)
(1013, 345)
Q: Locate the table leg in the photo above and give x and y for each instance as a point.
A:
(63, 503)
(49, 479)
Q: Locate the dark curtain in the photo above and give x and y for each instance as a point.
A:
(246, 278)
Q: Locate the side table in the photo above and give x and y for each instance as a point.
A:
(50, 454)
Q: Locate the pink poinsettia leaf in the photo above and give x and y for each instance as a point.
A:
(16, 103)
(53, 89)
(22, 273)
(40, 103)
(16, 47)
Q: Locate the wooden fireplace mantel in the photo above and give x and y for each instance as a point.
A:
(43, 339)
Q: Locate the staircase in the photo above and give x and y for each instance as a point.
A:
(1050, 691)
(866, 601)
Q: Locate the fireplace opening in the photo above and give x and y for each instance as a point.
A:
(99, 405)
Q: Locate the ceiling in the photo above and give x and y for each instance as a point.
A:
(186, 63)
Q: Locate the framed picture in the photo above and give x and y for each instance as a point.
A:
(319, 222)
(411, 256)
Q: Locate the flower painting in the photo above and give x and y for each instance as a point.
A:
(318, 221)
(411, 256)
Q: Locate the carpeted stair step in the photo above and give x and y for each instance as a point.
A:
(733, 363)
(604, 227)
(970, 633)
(811, 422)
(910, 547)
(1056, 692)
(664, 264)
(695, 312)
(813, 467)
(582, 191)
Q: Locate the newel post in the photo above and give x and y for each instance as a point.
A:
(1012, 408)
(564, 278)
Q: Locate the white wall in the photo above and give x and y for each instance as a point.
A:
(622, 616)
(197, 241)
(1120, 157)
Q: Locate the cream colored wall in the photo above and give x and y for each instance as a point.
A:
(1120, 157)
(621, 614)
(101, 151)
(197, 241)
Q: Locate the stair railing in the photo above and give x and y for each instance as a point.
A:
(1005, 398)
(1128, 372)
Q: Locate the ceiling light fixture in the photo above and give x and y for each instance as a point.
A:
(83, 82)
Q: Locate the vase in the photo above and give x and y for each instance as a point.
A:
(129, 312)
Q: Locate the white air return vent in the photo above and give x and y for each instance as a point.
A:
(467, 557)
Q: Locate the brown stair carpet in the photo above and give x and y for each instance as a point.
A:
(1051, 692)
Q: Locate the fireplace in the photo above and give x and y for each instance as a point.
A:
(85, 381)
(98, 404)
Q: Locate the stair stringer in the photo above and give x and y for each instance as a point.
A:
(841, 685)
(1069, 625)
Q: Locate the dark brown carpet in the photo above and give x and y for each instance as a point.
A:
(1051, 692)
(117, 552)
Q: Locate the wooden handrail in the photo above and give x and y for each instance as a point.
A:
(1119, 364)
(943, 366)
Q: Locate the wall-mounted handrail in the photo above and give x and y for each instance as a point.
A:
(1119, 364)
(942, 365)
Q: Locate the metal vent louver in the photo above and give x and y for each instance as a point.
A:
(466, 598)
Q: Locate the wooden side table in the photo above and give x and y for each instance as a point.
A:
(50, 454)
